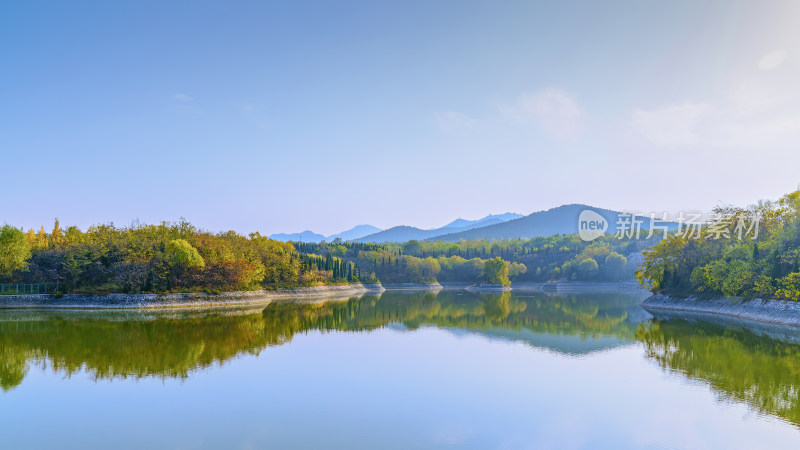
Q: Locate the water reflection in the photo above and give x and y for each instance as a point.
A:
(172, 344)
(756, 364)
(740, 361)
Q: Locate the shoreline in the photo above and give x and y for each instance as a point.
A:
(413, 287)
(589, 286)
(180, 300)
(488, 288)
(778, 312)
(200, 300)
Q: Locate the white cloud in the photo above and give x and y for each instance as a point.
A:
(182, 98)
(555, 111)
(772, 60)
(757, 133)
(752, 97)
(672, 125)
(759, 122)
(453, 121)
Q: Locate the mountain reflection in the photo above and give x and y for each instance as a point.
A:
(172, 344)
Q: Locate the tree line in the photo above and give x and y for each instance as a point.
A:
(765, 265)
(541, 259)
(172, 257)
(157, 258)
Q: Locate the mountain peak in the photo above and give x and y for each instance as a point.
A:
(354, 233)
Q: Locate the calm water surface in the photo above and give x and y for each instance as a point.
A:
(452, 370)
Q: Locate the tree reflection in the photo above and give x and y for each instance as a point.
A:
(497, 307)
(13, 366)
(737, 363)
(169, 345)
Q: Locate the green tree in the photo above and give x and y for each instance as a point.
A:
(181, 254)
(14, 250)
(790, 287)
(496, 271)
(422, 270)
(615, 265)
(516, 269)
(588, 269)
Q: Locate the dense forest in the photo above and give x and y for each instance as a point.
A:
(541, 259)
(178, 257)
(734, 260)
(160, 258)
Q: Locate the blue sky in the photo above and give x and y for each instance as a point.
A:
(283, 116)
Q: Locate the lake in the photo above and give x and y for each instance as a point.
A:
(398, 370)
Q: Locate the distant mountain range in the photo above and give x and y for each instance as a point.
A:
(309, 236)
(405, 233)
(488, 220)
(560, 220)
(304, 236)
(355, 233)
(369, 233)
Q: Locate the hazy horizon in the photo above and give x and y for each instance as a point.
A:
(284, 117)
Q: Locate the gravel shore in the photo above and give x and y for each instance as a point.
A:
(770, 311)
(188, 300)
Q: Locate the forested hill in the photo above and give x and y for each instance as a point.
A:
(560, 220)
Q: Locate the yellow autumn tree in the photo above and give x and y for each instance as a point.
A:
(56, 235)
